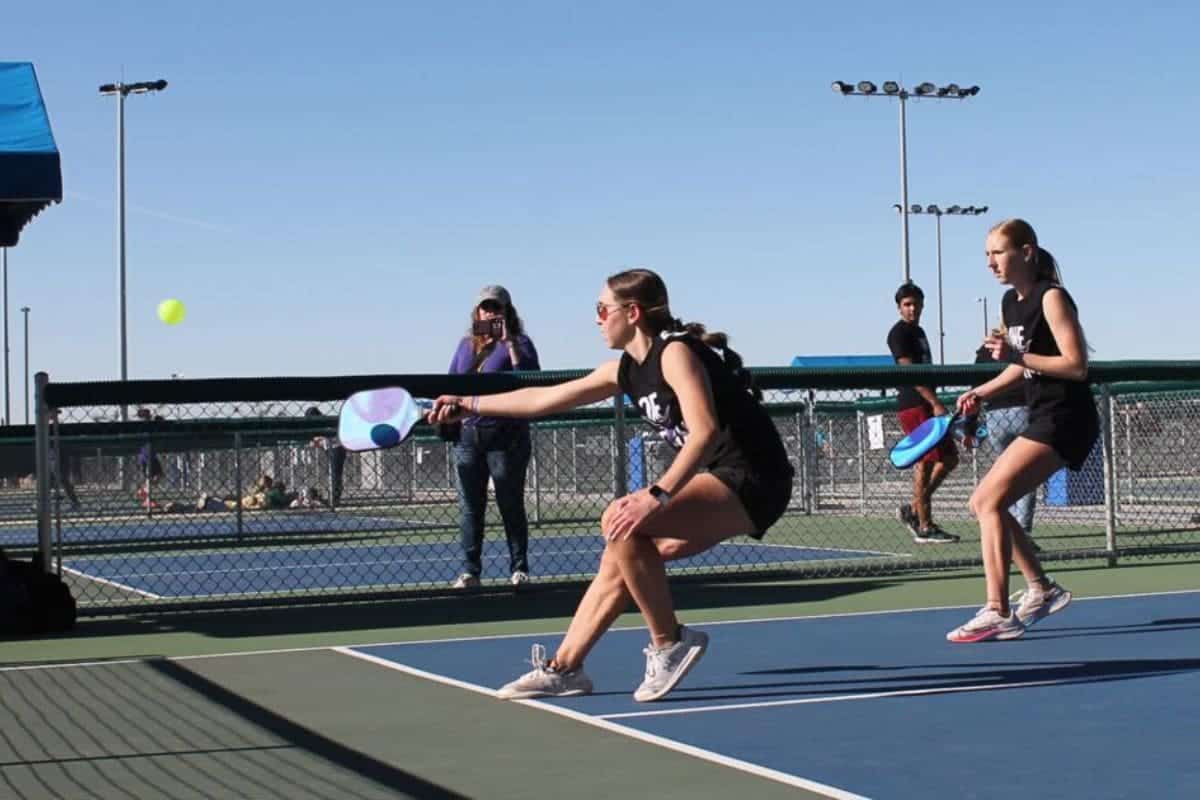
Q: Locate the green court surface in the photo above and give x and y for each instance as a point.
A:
(258, 704)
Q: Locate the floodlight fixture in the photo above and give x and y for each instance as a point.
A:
(895, 89)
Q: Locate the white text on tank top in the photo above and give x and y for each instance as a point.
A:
(656, 415)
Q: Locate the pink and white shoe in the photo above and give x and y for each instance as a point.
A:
(988, 624)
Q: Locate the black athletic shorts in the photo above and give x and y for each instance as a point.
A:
(1071, 435)
(765, 497)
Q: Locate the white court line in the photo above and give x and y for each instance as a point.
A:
(986, 687)
(107, 582)
(632, 733)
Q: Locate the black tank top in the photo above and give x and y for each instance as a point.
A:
(1029, 332)
(746, 436)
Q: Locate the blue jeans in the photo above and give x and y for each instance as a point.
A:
(1004, 425)
(504, 459)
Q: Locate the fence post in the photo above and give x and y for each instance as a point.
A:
(809, 439)
(537, 482)
(42, 465)
(620, 489)
(832, 460)
(1129, 454)
(862, 464)
(237, 481)
(1110, 509)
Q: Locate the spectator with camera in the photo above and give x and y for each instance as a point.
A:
(492, 447)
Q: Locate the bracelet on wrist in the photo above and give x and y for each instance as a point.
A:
(475, 405)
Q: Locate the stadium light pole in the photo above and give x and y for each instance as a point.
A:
(25, 311)
(950, 91)
(121, 91)
(937, 212)
(985, 318)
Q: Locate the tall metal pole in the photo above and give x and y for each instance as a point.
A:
(7, 407)
(904, 261)
(121, 229)
(985, 317)
(120, 90)
(25, 311)
(893, 89)
(941, 319)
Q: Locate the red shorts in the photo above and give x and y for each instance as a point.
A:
(910, 418)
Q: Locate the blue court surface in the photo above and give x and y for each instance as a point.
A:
(409, 563)
(205, 525)
(1099, 701)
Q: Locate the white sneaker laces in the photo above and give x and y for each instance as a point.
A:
(537, 657)
(656, 659)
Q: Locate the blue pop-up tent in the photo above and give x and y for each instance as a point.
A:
(30, 171)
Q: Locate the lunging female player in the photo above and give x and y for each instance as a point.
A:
(730, 476)
(1045, 348)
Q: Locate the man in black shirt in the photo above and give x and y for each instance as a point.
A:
(909, 345)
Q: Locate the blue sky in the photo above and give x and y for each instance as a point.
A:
(326, 188)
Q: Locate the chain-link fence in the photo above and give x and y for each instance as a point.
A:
(188, 493)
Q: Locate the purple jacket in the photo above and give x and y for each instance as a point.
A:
(497, 361)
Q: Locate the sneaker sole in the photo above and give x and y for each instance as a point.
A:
(533, 695)
(987, 636)
(690, 660)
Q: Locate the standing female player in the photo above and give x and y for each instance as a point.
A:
(730, 476)
(1044, 346)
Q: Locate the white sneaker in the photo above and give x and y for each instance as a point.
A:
(1037, 604)
(988, 624)
(519, 577)
(545, 681)
(666, 666)
(465, 581)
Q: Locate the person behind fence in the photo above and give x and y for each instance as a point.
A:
(492, 447)
(148, 462)
(337, 459)
(909, 345)
(61, 458)
(730, 477)
(1044, 347)
(267, 493)
(1007, 417)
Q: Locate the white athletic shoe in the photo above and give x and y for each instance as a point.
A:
(545, 681)
(465, 581)
(666, 666)
(1037, 604)
(988, 624)
(519, 577)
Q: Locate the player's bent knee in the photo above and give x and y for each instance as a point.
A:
(606, 519)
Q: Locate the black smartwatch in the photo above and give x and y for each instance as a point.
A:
(660, 494)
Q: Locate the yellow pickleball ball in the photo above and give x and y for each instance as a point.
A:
(171, 311)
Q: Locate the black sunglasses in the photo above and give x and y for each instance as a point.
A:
(492, 306)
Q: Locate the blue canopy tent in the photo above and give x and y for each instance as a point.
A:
(843, 361)
(30, 171)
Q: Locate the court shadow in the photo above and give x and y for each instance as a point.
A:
(299, 736)
(498, 605)
(941, 679)
(1079, 631)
